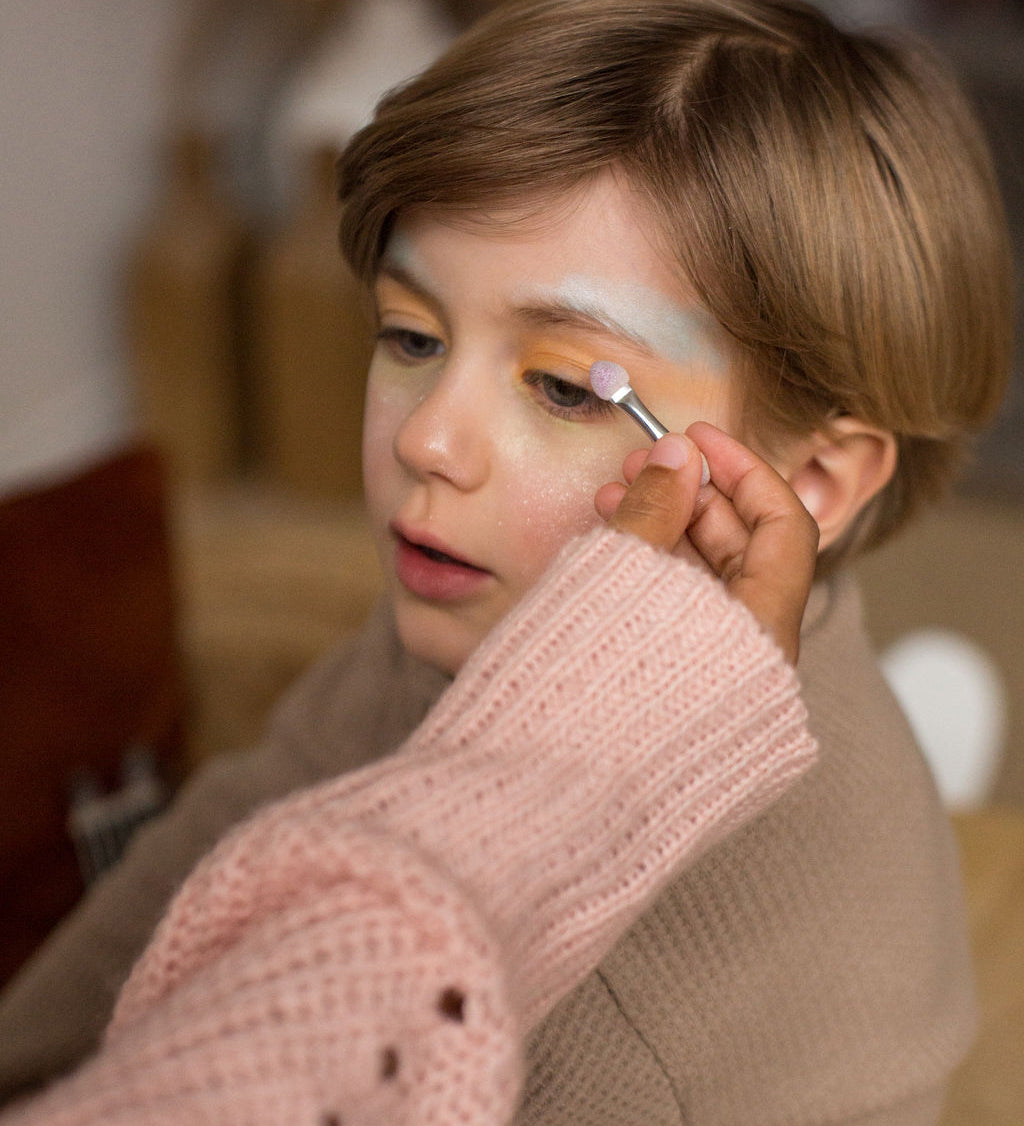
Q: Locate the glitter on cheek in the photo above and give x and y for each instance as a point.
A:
(548, 493)
(391, 397)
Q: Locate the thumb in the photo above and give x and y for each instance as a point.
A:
(658, 505)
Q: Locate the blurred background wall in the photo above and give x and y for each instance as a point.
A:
(80, 98)
(90, 95)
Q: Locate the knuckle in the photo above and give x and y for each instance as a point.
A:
(731, 568)
(647, 508)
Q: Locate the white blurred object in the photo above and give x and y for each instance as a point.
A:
(955, 700)
(374, 46)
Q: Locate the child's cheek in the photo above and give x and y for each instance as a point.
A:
(550, 498)
(386, 407)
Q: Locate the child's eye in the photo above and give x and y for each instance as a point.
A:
(409, 346)
(564, 398)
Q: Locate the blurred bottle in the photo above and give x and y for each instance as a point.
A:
(311, 341)
(184, 315)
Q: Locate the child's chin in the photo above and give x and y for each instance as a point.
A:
(433, 638)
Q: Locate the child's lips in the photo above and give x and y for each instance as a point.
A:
(426, 567)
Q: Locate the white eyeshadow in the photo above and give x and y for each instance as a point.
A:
(680, 335)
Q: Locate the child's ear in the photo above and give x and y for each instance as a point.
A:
(837, 472)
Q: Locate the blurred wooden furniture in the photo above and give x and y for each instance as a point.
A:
(988, 1090)
(269, 582)
(88, 669)
(184, 290)
(310, 342)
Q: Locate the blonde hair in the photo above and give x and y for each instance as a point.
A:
(828, 195)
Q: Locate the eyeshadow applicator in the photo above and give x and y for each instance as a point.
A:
(610, 382)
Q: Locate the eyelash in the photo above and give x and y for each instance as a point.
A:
(408, 347)
(401, 343)
(585, 403)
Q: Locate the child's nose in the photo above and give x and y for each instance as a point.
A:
(445, 435)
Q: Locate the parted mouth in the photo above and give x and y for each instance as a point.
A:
(432, 548)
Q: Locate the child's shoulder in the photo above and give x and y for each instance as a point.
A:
(824, 942)
(848, 699)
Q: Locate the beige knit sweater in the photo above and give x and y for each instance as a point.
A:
(810, 969)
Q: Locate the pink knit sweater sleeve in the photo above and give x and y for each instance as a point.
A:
(374, 950)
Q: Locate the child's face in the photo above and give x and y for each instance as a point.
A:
(483, 444)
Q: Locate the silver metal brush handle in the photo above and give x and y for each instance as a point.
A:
(630, 402)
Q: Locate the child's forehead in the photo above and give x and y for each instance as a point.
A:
(546, 214)
(525, 225)
(601, 227)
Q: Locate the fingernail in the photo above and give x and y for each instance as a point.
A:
(705, 470)
(671, 451)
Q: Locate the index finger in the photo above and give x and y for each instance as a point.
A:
(658, 504)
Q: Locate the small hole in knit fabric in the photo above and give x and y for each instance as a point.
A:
(388, 1063)
(452, 1004)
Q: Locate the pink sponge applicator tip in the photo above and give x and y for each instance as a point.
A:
(608, 377)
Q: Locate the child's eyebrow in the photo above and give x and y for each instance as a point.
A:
(541, 311)
(652, 323)
(671, 332)
(586, 317)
